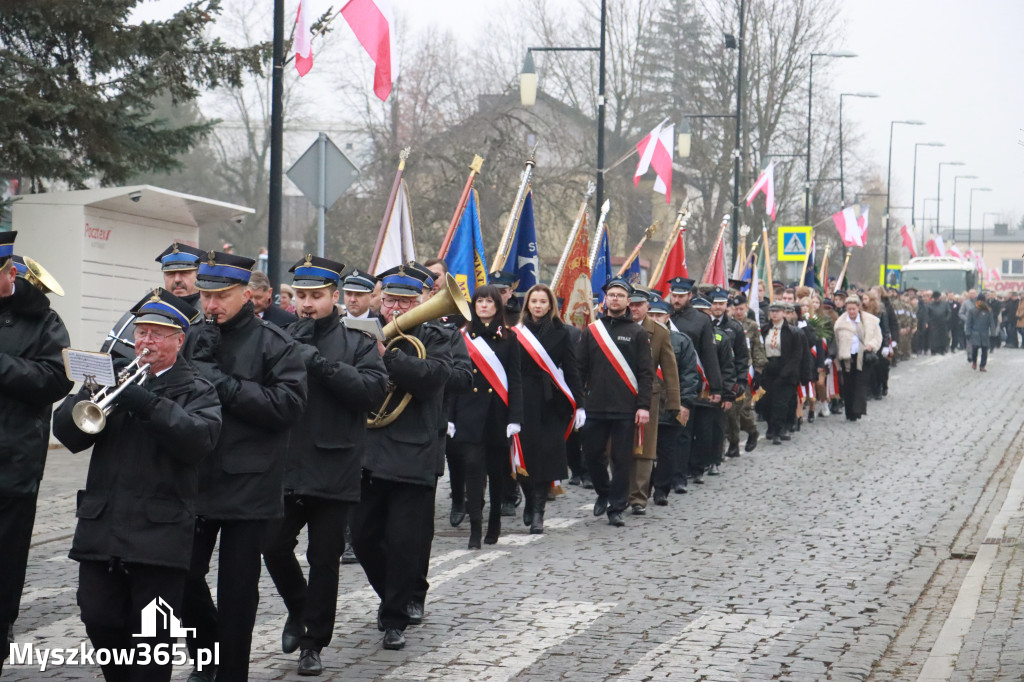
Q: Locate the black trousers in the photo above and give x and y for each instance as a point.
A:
(574, 454)
(670, 441)
(616, 437)
(485, 466)
(17, 517)
(387, 533)
(855, 390)
(456, 474)
(112, 596)
(708, 438)
(231, 620)
(419, 594)
(314, 602)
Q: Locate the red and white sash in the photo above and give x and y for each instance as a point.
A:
(535, 349)
(485, 359)
(614, 355)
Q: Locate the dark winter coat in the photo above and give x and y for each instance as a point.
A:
(406, 450)
(981, 326)
(279, 316)
(787, 369)
(698, 327)
(261, 380)
(607, 395)
(547, 414)
(346, 379)
(32, 378)
(740, 352)
(139, 502)
(480, 416)
(726, 363)
(459, 381)
(689, 377)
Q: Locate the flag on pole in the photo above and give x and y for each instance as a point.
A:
(632, 273)
(908, 240)
(303, 44)
(741, 260)
(755, 297)
(994, 276)
(656, 150)
(373, 22)
(523, 255)
(397, 245)
(862, 223)
(954, 251)
(715, 272)
(935, 246)
(574, 288)
(849, 226)
(465, 256)
(809, 268)
(675, 264)
(765, 183)
(601, 266)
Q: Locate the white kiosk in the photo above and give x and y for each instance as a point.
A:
(100, 244)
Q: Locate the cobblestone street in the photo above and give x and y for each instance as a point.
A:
(819, 559)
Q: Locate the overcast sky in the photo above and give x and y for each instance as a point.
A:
(952, 64)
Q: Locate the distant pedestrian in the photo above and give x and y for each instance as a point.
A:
(980, 326)
(858, 339)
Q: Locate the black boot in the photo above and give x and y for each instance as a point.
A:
(475, 530)
(493, 529)
(528, 506)
(540, 500)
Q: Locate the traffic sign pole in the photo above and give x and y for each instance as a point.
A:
(321, 204)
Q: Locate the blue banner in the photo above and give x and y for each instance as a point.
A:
(465, 256)
(601, 271)
(523, 255)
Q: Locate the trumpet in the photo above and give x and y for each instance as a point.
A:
(90, 416)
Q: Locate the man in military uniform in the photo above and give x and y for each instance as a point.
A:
(400, 460)
(741, 365)
(741, 416)
(136, 516)
(709, 427)
(346, 380)
(32, 378)
(261, 380)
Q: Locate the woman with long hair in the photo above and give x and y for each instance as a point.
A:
(552, 399)
(486, 417)
(980, 323)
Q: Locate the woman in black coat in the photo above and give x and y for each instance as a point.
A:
(483, 421)
(548, 415)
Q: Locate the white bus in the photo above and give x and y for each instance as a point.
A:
(938, 273)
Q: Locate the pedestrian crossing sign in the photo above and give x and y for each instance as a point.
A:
(893, 278)
(793, 243)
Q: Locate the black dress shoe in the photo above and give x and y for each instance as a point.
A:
(415, 612)
(575, 480)
(661, 499)
(733, 451)
(638, 510)
(527, 515)
(751, 441)
(309, 663)
(776, 440)
(601, 505)
(457, 514)
(508, 509)
(810, 417)
(394, 639)
(679, 488)
(615, 519)
(475, 531)
(587, 483)
(713, 470)
(786, 436)
(493, 531)
(292, 633)
(380, 623)
(698, 479)
(206, 675)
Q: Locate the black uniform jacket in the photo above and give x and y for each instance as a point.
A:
(459, 381)
(261, 381)
(690, 383)
(31, 380)
(279, 316)
(346, 380)
(788, 369)
(406, 450)
(607, 395)
(740, 352)
(139, 502)
(698, 327)
(480, 416)
(723, 353)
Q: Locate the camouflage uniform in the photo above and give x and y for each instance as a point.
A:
(908, 325)
(741, 414)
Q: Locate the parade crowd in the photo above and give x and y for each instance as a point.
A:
(250, 424)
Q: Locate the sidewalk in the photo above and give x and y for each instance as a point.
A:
(983, 636)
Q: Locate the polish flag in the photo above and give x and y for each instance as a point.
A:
(955, 252)
(994, 276)
(765, 183)
(373, 22)
(908, 240)
(849, 226)
(935, 246)
(675, 264)
(980, 264)
(656, 150)
(862, 223)
(303, 44)
(715, 272)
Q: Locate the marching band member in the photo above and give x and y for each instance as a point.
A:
(741, 366)
(346, 379)
(552, 399)
(32, 378)
(615, 369)
(489, 415)
(400, 459)
(261, 380)
(709, 427)
(136, 516)
(180, 264)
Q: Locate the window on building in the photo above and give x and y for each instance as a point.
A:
(1013, 266)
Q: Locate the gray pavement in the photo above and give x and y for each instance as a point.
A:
(800, 562)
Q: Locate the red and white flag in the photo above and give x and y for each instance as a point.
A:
(862, 223)
(765, 183)
(994, 276)
(850, 226)
(935, 246)
(373, 22)
(980, 264)
(908, 240)
(656, 150)
(303, 44)
(954, 251)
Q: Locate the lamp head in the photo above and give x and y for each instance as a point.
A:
(528, 82)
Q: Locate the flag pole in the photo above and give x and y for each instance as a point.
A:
(474, 170)
(598, 232)
(807, 257)
(388, 210)
(501, 256)
(648, 233)
(679, 227)
(714, 251)
(580, 217)
(824, 268)
(842, 273)
(768, 263)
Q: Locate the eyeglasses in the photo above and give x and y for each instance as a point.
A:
(141, 334)
(402, 302)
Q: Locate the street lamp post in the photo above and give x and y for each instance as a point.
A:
(970, 218)
(938, 206)
(810, 91)
(888, 186)
(528, 91)
(842, 182)
(955, 180)
(913, 190)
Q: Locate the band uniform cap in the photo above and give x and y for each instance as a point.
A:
(739, 284)
(639, 295)
(680, 285)
(6, 246)
(701, 303)
(314, 272)
(738, 299)
(661, 306)
(409, 279)
(164, 309)
(222, 271)
(179, 256)
(620, 283)
(357, 280)
(500, 278)
(718, 294)
(19, 265)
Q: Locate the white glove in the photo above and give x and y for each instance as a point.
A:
(451, 430)
(886, 351)
(512, 430)
(580, 419)
(828, 362)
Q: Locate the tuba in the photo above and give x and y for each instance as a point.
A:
(446, 302)
(37, 276)
(90, 416)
